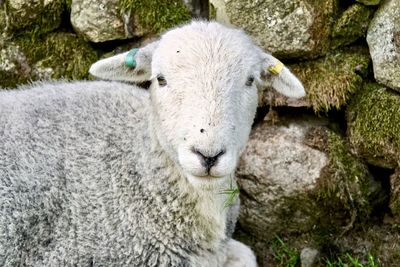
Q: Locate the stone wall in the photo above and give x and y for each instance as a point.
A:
(319, 174)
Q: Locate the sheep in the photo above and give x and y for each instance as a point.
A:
(103, 173)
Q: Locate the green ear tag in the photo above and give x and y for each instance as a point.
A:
(130, 58)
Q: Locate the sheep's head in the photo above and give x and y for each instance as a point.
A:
(205, 81)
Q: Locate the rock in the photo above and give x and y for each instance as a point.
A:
(100, 21)
(351, 25)
(299, 177)
(384, 43)
(14, 65)
(288, 29)
(309, 257)
(369, 2)
(373, 125)
(329, 82)
(105, 20)
(55, 56)
(31, 15)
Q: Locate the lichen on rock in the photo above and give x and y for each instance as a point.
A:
(329, 81)
(373, 121)
(288, 29)
(14, 66)
(100, 21)
(383, 39)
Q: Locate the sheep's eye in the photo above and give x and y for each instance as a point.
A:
(250, 81)
(161, 80)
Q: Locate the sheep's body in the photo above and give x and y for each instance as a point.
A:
(80, 184)
(107, 174)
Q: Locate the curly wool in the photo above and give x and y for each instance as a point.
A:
(82, 185)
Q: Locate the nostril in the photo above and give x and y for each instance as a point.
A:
(208, 161)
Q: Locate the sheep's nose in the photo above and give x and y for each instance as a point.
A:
(208, 161)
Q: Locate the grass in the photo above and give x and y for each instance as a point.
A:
(287, 256)
(349, 261)
(232, 192)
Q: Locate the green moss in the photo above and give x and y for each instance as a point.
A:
(68, 4)
(374, 125)
(53, 56)
(395, 195)
(351, 25)
(65, 53)
(324, 12)
(32, 16)
(156, 15)
(350, 181)
(331, 81)
(345, 192)
(212, 12)
(369, 2)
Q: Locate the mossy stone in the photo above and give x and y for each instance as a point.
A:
(352, 24)
(33, 16)
(52, 56)
(308, 182)
(346, 191)
(156, 15)
(373, 121)
(332, 80)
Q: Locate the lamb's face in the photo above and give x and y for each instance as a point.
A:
(204, 98)
(203, 92)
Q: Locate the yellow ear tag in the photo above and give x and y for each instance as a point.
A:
(276, 69)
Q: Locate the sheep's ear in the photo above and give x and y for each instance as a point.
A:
(279, 77)
(132, 66)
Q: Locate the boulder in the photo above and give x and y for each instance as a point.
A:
(288, 28)
(373, 125)
(384, 43)
(297, 176)
(30, 15)
(329, 81)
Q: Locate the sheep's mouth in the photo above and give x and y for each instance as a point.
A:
(206, 181)
(209, 177)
